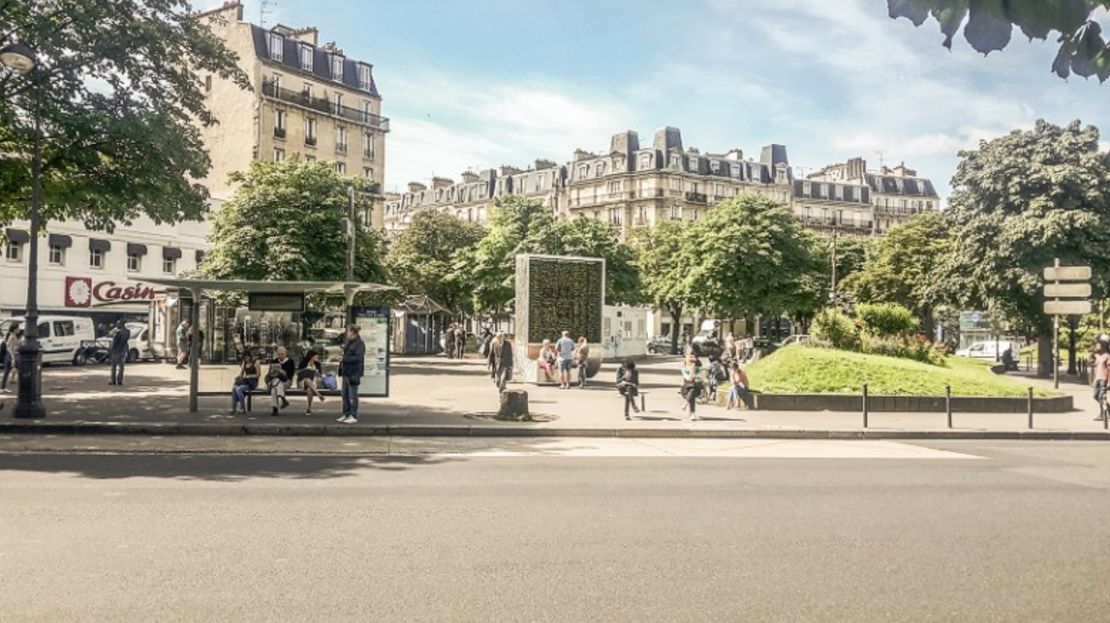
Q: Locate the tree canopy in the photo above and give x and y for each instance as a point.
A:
(288, 221)
(903, 269)
(988, 26)
(421, 258)
(586, 237)
(1019, 202)
(664, 261)
(120, 102)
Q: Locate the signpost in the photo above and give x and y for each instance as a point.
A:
(1064, 299)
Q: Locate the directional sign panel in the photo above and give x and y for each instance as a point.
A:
(1067, 273)
(1067, 290)
(1067, 308)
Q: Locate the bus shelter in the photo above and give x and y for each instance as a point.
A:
(289, 296)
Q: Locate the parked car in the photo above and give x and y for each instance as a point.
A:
(60, 337)
(798, 338)
(138, 347)
(990, 349)
(659, 345)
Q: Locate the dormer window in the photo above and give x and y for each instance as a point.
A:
(336, 67)
(277, 43)
(306, 57)
(364, 79)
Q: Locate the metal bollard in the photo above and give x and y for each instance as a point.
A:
(865, 405)
(1030, 408)
(948, 403)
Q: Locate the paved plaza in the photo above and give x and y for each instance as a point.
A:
(458, 394)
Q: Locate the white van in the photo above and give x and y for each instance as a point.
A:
(990, 349)
(60, 337)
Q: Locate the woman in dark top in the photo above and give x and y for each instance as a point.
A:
(245, 383)
(628, 384)
(308, 374)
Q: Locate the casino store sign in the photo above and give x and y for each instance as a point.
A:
(82, 292)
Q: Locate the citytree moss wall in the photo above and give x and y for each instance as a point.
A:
(560, 294)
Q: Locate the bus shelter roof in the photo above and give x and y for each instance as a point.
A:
(269, 287)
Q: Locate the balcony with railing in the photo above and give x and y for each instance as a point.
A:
(310, 141)
(323, 105)
(279, 132)
(696, 197)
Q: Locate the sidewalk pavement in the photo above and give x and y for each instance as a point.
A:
(441, 397)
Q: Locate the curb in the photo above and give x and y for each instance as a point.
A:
(370, 430)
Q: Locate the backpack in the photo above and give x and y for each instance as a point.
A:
(3, 351)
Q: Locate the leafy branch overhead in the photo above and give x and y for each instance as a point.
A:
(988, 26)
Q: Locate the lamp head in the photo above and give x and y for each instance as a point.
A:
(17, 57)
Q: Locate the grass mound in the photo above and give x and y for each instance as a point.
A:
(804, 370)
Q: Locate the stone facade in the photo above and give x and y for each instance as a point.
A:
(307, 100)
(636, 186)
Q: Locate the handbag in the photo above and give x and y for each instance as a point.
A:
(330, 381)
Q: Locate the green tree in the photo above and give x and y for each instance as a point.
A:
(421, 259)
(664, 256)
(989, 24)
(1019, 202)
(754, 257)
(120, 100)
(516, 225)
(586, 237)
(903, 267)
(288, 221)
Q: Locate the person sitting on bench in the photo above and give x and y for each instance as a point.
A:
(308, 374)
(278, 379)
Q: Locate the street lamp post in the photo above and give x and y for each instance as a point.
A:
(21, 59)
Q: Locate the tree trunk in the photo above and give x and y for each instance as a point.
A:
(1044, 356)
(514, 405)
(1073, 328)
(927, 325)
(676, 326)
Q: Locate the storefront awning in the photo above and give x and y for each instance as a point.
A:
(134, 248)
(271, 287)
(18, 236)
(96, 244)
(171, 253)
(58, 240)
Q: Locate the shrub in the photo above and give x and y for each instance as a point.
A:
(835, 327)
(886, 319)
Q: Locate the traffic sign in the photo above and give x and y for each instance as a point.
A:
(1066, 308)
(1067, 273)
(1067, 290)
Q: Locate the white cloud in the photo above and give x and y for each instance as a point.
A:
(450, 126)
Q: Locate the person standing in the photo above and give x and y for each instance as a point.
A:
(729, 353)
(278, 379)
(565, 351)
(1102, 373)
(449, 342)
(628, 384)
(182, 344)
(245, 383)
(691, 384)
(117, 352)
(503, 361)
(11, 354)
(582, 358)
(351, 368)
(491, 355)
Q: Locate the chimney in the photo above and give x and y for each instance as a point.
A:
(773, 154)
(415, 187)
(857, 170)
(668, 138)
(735, 154)
(625, 143)
(544, 164)
(442, 182)
(509, 170)
(469, 177)
(582, 154)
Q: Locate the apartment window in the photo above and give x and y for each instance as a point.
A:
(276, 81)
(676, 184)
(279, 124)
(57, 255)
(276, 46)
(306, 57)
(338, 102)
(857, 218)
(14, 251)
(307, 89)
(96, 258)
(336, 67)
(310, 158)
(583, 171)
(616, 216)
(368, 173)
(279, 154)
(599, 169)
(368, 110)
(341, 138)
(676, 213)
(364, 79)
(641, 215)
(341, 168)
(134, 262)
(309, 131)
(169, 265)
(615, 186)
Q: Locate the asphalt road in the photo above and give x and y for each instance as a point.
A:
(1019, 533)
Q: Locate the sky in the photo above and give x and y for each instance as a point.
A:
(481, 83)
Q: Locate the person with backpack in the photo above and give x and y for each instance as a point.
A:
(117, 352)
(628, 384)
(9, 353)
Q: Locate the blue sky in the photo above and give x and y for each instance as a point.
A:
(482, 83)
